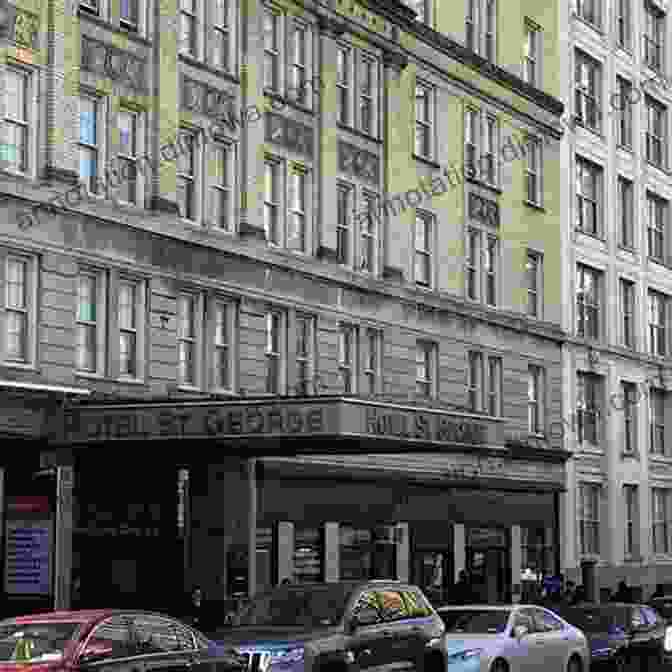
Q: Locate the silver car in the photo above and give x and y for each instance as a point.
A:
(515, 638)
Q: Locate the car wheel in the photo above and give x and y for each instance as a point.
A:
(499, 665)
(574, 664)
(620, 663)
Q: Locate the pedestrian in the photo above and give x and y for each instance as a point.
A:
(196, 609)
(659, 592)
(623, 594)
(462, 590)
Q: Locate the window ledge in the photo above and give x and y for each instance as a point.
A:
(534, 206)
(188, 388)
(104, 23)
(357, 132)
(594, 236)
(626, 50)
(663, 169)
(20, 366)
(632, 454)
(131, 381)
(625, 148)
(427, 160)
(91, 376)
(630, 558)
(588, 449)
(597, 132)
(660, 262)
(585, 22)
(663, 558)
(660, 459)
(202, 65)
(626, 248)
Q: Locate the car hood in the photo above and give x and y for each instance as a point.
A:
(269, 638)
(457, 642)
(31, 667)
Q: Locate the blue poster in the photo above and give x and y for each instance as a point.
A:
(28, 558)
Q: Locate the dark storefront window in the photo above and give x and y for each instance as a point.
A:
(368, 553)
(308, 554)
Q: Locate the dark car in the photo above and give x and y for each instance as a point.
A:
(337, 627)
(109, 640)
(622, 636)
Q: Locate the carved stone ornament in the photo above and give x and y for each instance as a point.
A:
(25, 29)
(117, 64)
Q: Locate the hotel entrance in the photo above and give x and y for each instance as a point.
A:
(488, 564)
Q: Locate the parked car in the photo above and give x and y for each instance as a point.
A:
(332, 627)
(515, 638)
(110, 640)
(621, 636)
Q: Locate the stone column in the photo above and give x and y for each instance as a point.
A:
(63, 537)
(516, 562)
(403, 551)
(252, 526)
(285, 550)
(459, 549)
(331, 553)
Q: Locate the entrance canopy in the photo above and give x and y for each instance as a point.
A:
(263, 426)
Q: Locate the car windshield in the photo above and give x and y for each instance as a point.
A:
(34, 642)
(297, 605)
(592, 620)
(475, 621)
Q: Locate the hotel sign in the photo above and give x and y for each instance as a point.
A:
(334, 417)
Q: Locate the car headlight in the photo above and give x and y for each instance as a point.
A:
(668, 639)
(465, 655)
(287, 657)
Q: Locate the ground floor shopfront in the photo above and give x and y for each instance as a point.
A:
(133, 504)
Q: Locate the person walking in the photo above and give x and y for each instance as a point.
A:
(196, 615)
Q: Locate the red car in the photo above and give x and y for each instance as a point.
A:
(109, 640)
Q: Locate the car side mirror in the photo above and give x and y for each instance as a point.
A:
(519, 631)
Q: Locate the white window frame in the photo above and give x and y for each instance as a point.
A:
(536, 380)
(478, 34)
(424, 11)
(534, 171)
(191, 14)
(658, 210)
(274, 53)
(273, 200)
(490, 151)
(278, 355)
(345, 85)
(372, 95)
(223, 155)
(658, 322)
(491, 270)
(624, 24)
(24, 124)
(596, 173)
(127, 23)
(228, 345)
(424, 120)
(132, 159)
(625, 191)
(493, 392)
(589, 404)
(589, 305)
(472, 25)
(99, 147)
(101, 280)
(631, 517)
(590, 11)
(298, 197)
(472, 129)
(372, 351)
(472, 264)
(627, 301)
(308, 359)
(195, 177)
(425, 369)
(368, 235)
(345, 222)
(630, 419)
(140, 320)
(623, 114)
(349, 88)
(92, 6)
(476, 381)
(658, 443)
(425, 222)
(196, 339)
(532, 53)
(588, 74)
(653, 51)
(656, 112)
(227, 32)
(347, 357)
(661, 499)
(589, 520)
(534, 268)
(301, 92)
(29, 310)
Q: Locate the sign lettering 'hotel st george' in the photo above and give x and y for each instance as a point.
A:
(336, 417)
